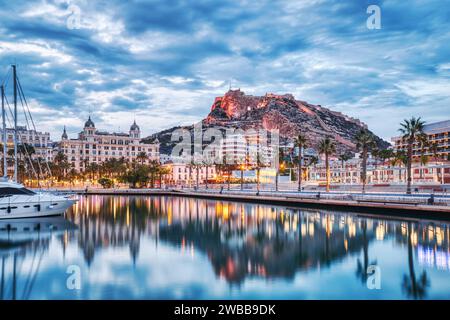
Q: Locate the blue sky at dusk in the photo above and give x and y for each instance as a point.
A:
(163, 62)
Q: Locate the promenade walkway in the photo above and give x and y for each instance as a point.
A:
(412, 206)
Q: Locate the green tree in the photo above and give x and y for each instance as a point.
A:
(163, 171)
(72, 174)
(412, 131)
(137, 176)
(153, 169)
(106, 182)
(327, 148)
(386, 154)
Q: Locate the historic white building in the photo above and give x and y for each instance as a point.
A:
(40, 141)
(93, 146)
(349, 172)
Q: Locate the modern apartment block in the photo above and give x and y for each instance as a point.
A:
(246, 147)
(437, 133)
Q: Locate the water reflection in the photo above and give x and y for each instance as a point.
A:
(238, 250)
(21, 238)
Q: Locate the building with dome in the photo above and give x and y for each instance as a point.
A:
(95, 146)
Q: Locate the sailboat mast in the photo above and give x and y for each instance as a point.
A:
(15, 121)
(5, 148)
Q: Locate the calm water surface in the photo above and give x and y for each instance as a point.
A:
(179, 248)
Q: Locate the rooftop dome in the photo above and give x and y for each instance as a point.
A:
(134, 126)
(89, 123)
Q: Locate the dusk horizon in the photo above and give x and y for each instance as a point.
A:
(164, 63)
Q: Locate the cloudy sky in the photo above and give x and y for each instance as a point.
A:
(163, 62)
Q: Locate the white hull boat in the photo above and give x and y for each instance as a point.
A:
(15, 232)
(18, 202)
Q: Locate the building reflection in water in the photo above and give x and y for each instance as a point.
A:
(244, 241)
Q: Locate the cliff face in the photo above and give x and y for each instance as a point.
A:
(289, 116)
(282, 112)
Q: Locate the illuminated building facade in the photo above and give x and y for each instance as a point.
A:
(93, 146)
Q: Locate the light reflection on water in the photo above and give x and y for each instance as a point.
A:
(170, 247)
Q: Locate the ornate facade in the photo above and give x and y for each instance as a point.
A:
(93, 146)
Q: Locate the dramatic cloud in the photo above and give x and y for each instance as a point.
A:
(163, 62)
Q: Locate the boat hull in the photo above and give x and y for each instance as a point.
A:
(35, 209)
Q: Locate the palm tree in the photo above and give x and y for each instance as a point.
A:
(154, 170)
(225, 168)
(207, 163)
(344, 157)
(399, 158)
(364, 143)
(300, 141)
(277, 170)
(423, 143)
(434, 149)
(259, 164)
(327, 147)
(242, 164)
(412, 130)
(230, 168)
(62, 165)
(386, 154)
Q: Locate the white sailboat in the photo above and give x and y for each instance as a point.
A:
(16, 201)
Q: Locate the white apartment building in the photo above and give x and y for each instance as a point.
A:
(184, 174)
(437, 133)
(93, 146)
(243, 147)
(40, 141)
(435, 172)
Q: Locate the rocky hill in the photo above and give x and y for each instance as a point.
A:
(282, 112)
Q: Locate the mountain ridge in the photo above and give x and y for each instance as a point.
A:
(235, 109)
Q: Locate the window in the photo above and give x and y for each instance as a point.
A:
(11, 191)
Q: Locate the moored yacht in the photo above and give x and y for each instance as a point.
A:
(16, 201)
